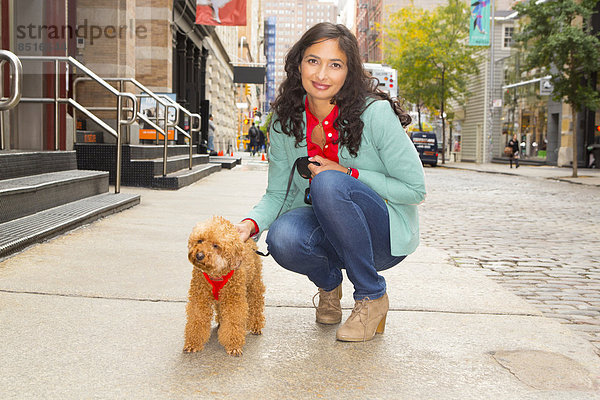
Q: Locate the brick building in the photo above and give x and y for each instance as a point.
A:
(155, 42)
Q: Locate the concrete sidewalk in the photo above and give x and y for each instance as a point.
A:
(100, 313)
(585, 176)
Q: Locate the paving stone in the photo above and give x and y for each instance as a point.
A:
(556, 286)
(560, 317)
(577, 304)
(592, 308)
(585, 327)
(544, 298)
(570, 297)
(589, 321)
(585, 312)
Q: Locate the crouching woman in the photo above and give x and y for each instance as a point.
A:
(359, 210)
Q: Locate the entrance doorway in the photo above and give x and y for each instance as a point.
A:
(553, 138)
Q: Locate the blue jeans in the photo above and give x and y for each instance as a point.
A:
(346, 227)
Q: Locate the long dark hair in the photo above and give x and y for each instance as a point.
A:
(351, 98)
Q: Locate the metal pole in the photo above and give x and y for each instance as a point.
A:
(119, 116)
(491, 98)
(119, 151)
(1, 112)
(56, 107)
(156, 120)
(1, 129)
(191, 132)
(165, 151)
(74, 97)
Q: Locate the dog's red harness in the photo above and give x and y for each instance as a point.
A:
(217, 285)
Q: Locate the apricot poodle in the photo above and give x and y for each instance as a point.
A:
(227, 276)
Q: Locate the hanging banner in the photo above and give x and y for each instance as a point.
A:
(479, 34)
(270, 35)
(221, 12)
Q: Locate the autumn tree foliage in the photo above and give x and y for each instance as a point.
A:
(430, 51)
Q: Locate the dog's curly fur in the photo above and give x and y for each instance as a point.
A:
(214, 247)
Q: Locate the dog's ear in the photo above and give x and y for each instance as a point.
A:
(235, 246)
(238, 257)
(193, 238)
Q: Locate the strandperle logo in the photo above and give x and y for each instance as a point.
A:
(91, 32)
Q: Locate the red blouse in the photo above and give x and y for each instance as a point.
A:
(330, 149)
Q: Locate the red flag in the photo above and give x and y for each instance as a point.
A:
(221, 12)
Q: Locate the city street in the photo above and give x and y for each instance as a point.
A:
(100, 311)
(160, 116)
(539, 238)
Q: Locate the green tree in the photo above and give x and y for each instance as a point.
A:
(417, 82)
(430, 52)
(558, 39)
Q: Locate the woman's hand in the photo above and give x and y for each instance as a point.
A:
(326, 164)
(245, 229)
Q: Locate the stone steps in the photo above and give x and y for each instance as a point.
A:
(42, 194)
(17, 234)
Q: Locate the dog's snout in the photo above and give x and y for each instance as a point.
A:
(200, 256)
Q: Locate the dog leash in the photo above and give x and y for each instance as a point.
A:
(287, 192)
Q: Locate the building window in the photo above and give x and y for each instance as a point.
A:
(507, 38)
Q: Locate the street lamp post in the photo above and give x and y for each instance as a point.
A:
(489, 115)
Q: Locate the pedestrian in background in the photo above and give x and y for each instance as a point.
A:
(261, 140)
(253, 134)
(360, 211)
(514, 143)
(211, 134)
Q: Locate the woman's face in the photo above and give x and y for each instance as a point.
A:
(323, 70)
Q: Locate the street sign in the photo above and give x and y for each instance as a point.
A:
(546, 87)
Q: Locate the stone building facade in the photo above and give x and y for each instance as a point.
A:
(154, 41)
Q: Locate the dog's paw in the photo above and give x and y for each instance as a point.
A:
(235, 352)
(192, 349)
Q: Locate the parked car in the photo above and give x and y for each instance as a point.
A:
(427, 145)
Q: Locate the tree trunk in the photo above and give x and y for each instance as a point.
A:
(443, 119)
(419, 113)
(575, 125)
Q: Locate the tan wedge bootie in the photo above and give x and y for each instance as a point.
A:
(329, 310)
(367, 319)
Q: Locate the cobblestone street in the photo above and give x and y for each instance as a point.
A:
(539, 238)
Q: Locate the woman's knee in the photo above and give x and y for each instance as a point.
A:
(326, 186)
(283, 240)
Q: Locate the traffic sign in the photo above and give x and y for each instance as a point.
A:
(546, 87)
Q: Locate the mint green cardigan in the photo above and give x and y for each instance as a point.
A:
(387, 162)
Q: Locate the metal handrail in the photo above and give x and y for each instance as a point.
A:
(167, 103)
(93, 117)
(191, 116)
(166, 123)
(57, 100)
(16, 87)
(137, 115)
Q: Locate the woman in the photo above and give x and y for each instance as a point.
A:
(364, 192)
(514, 144)
(211, 134)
